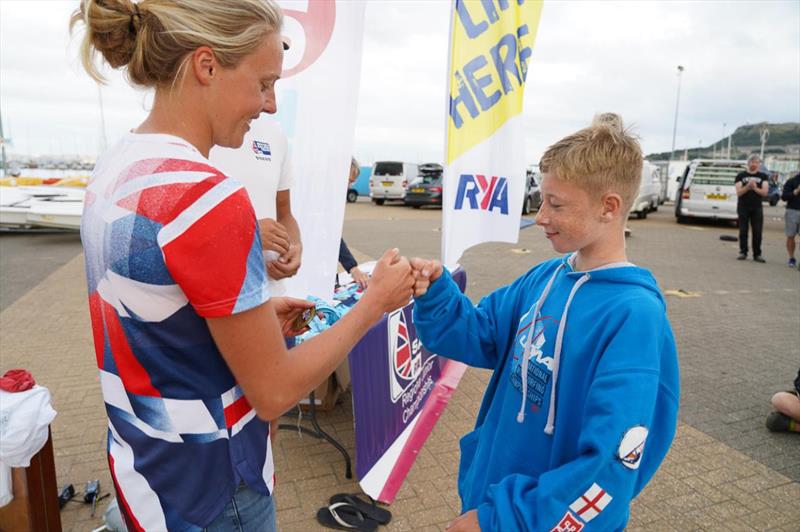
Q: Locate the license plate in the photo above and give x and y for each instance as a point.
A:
(387, 183)
(714, 196)
(417, 190)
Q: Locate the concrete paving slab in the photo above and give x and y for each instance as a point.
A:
(739, 342)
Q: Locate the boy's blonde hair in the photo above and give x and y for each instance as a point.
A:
(602, 158)
(153, 38)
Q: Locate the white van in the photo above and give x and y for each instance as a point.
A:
(390, 179)
(649, 191)
(707, 190)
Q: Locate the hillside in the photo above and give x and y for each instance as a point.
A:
(745, 138)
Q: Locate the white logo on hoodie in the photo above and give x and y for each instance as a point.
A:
(537, 343)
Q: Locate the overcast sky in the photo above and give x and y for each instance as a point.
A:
(742, 61)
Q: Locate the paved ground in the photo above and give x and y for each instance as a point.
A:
(27, 258)
(739, 341)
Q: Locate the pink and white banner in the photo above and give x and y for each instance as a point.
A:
(317, 102)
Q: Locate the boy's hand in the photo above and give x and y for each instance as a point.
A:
(467, 522)
(425, 272)
(392, 283)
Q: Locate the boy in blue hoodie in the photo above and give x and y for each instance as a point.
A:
(582, 406)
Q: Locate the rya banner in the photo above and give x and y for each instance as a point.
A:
(484, 180)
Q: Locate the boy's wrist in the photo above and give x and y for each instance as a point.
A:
(437, 286)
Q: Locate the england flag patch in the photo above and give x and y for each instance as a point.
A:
(591, 503)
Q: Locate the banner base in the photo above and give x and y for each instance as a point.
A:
(384, 480)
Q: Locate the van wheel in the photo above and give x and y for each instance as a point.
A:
(378, 201)
(526, 205)
(682, 219)
(352, 196)
(416, 206)
(641, 215)
(773, 201)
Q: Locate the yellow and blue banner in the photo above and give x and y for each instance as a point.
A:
(491, 44)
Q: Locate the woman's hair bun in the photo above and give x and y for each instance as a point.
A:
(111, 29)
(153, 39)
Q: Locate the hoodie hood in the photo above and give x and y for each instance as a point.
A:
(618, 272)
(622, 272)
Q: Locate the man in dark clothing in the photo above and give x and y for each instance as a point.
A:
(751, 187)
(346, 258)
(791, 195)
(350, 265)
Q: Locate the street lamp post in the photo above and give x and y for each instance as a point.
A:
(764, 137)
(3, 148)
(722, 142)
(675, 124)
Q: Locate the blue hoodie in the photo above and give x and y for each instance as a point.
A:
(602, 393)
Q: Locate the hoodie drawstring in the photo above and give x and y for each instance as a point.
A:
(551, 414)
(526, 353)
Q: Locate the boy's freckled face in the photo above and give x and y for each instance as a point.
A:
(567, 215)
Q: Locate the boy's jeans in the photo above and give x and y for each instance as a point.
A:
(247, 511)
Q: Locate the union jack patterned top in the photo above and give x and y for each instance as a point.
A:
(169, 241)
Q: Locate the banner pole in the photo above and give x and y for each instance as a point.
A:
(446, 164)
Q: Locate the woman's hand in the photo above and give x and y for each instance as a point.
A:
(288, 309)
(392, 282)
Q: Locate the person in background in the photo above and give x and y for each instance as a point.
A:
(751, 186)
(188, 340)
(262, 164)
(346, 259)
(791, 218)
(786, 418)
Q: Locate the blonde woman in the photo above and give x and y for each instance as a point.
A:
(189, 344)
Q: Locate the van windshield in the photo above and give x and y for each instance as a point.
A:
(388, 168)
(716, 175)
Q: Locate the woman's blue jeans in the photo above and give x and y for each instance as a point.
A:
(247, 511)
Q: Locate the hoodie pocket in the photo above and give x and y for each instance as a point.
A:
(468, 445)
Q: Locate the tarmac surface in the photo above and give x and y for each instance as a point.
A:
(737, 325)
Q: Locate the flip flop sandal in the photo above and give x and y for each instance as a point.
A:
(343, 516)
(369, 509)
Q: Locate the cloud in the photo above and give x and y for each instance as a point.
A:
(742, 63)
